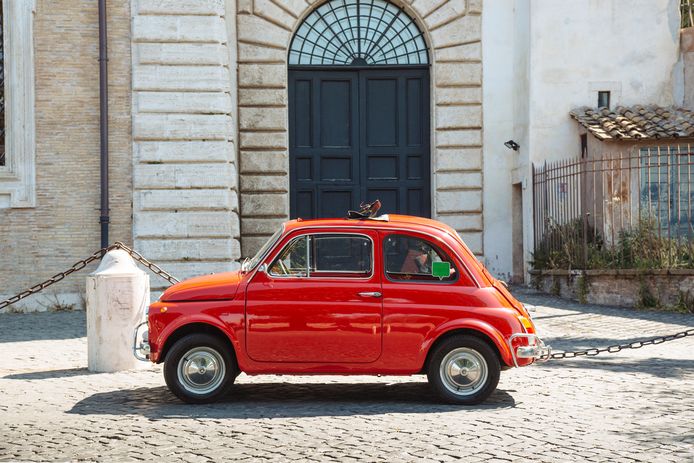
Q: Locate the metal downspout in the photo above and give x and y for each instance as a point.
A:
(104, 218)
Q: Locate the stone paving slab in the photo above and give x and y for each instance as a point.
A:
(632, 406)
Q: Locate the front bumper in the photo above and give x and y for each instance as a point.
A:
(535, 348)
(141, 347)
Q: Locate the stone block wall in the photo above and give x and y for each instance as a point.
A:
(453, 32)
(622, 288)
(185, 178)
(38, 242)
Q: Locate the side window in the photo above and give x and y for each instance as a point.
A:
(413, 259)
(292, 259)
(344, 256)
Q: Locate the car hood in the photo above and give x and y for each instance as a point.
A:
(219, 286)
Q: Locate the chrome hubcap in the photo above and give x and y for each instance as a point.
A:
(464, 371)
(201, 370)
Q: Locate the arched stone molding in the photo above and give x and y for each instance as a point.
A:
(453, 32)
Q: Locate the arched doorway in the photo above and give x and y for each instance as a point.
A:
(359, 117)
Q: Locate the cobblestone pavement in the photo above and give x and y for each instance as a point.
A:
(637, 405)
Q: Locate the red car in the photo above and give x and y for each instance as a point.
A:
(394, 295)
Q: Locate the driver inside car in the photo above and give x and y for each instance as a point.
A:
(417, 259)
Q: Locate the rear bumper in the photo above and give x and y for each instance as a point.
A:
(535, 348)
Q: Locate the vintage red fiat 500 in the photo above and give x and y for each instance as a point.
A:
(395, 295)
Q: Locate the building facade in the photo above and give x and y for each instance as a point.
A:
(228, 117)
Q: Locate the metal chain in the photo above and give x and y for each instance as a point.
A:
(79, 265)
(618, 347)
(154, 268)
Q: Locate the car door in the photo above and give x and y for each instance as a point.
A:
(417, 298)
(318, 300)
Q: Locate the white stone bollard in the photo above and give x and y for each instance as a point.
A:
(117, 297)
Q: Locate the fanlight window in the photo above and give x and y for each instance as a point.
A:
(358, 32)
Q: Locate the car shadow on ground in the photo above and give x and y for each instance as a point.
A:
(37, 326)
(49, 374)
(658, 367)
(283, 400)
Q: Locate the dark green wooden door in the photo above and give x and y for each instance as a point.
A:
(358, 135)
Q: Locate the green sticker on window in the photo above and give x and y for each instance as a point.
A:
(441, 269)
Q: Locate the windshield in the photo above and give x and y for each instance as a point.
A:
(251, 263)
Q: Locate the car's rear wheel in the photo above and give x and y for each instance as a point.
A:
(463, 370)
(200, 368)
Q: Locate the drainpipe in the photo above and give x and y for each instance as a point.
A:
(104, 218)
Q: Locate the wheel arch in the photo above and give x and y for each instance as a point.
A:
(467, 331)
(191, 328)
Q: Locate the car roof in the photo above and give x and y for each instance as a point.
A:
(389, 221)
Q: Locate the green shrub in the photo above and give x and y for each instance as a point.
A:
(641, 247)
(685, 302)
(562, 246)
(582, 288)
(646, 299)
(556, 287)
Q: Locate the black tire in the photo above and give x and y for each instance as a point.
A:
(206, 353)
(477, 378)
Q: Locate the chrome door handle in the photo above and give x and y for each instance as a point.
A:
(371, 294)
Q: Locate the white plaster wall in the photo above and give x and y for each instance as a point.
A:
(498, 103)
(542, 58)
(686, 65)
(629, 48)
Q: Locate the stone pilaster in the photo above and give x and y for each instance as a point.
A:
(185, 178)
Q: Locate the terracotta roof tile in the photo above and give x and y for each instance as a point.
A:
(636, 122)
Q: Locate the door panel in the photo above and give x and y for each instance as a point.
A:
(335, 112)
(380, 104)
(303, 111)
(356, 136)
(383, 167)
(394, 141)
(415, 112)
(323, 136)
(331, 201)
(336, 168)
(316, 319)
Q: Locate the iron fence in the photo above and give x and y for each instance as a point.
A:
(619, 210)
(687, 11)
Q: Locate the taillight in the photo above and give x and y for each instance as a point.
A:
(527, 324)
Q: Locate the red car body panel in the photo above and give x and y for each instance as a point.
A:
(295, 325)
(219, 286)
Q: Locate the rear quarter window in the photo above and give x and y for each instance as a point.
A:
(410, 258)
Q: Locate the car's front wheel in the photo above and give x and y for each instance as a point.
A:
(200, 368)
(464, 370)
